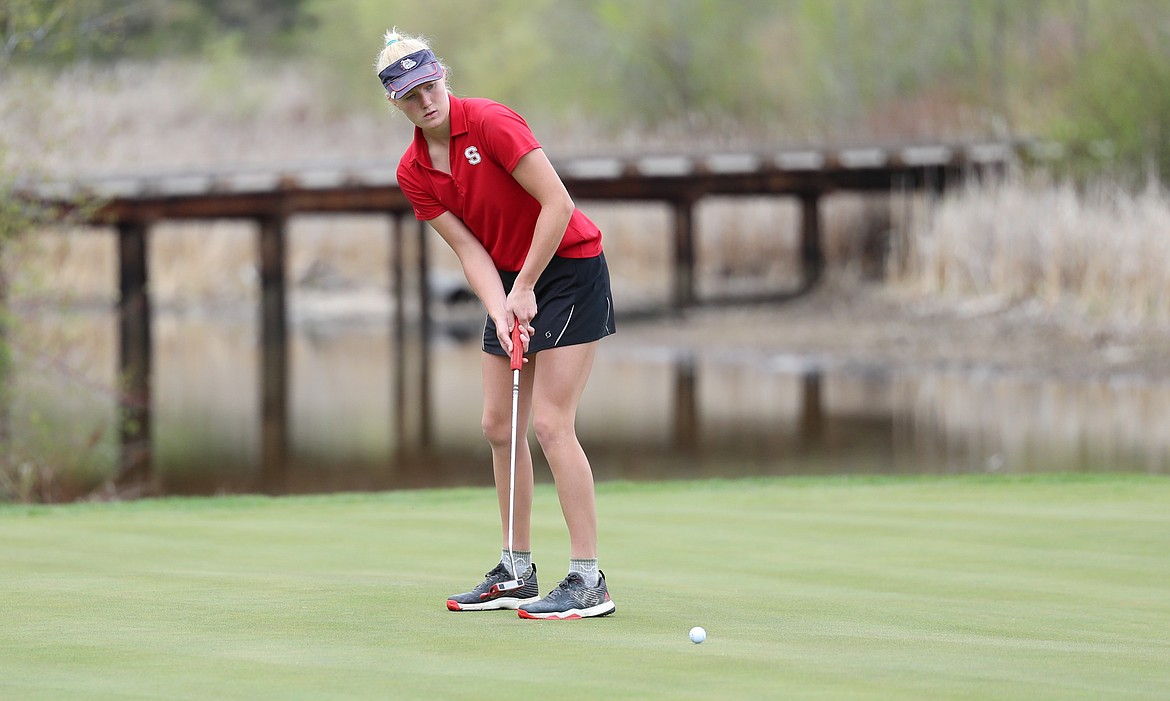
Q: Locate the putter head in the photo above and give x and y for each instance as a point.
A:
(501, 587)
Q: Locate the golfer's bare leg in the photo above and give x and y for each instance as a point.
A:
(560, 375)
(497, 427)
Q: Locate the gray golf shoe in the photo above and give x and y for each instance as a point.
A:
(572, 599)
(493, 593)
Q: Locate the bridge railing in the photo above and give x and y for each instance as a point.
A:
(371, 186)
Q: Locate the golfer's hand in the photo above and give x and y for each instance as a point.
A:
(521, 305)
(504, 334)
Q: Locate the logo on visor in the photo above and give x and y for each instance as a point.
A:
(408, 64)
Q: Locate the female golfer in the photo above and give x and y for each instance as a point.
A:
(477, 174)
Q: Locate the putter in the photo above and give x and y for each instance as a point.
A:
(517, 363)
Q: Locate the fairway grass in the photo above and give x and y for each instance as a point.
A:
(1048, 587)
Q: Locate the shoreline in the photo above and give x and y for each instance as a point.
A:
(879, 326)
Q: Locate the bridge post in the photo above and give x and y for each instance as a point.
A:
(812, 254)
(398, 347)
(687, 418)
(683, 290)
(411, 346)
(424, 335)
(274, 411)
(5, 363)
(134, 354)
(812, 410)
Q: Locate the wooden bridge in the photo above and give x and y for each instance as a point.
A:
(133, 203)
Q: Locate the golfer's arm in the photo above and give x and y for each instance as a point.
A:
(536, 174)
(477, 265)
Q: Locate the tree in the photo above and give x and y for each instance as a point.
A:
(1119, 98)
(62, 30)
(674, 61)
(26, 25)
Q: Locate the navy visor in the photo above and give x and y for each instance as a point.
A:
(409, 72)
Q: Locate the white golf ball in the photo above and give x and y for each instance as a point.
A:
(698, 635)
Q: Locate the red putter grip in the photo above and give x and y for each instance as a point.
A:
(517, 347)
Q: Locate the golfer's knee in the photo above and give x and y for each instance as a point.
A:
(497, 430)
(552, 431)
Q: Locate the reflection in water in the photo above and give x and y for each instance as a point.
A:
(647, 414)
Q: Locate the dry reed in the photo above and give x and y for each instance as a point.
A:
(1100, 250)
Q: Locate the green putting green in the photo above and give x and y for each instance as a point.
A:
(1035, 587)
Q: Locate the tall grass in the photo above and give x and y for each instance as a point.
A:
(1099, 250)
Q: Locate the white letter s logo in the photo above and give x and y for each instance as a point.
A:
(471, 153)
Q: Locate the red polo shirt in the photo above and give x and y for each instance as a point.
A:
(487, 141)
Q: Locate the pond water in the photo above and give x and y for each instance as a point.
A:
(649, 413)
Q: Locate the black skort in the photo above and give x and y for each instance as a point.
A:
(573, 305)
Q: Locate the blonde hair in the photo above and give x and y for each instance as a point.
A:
(399, 45)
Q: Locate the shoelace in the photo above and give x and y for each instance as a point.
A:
(490, 578)
(565, 584)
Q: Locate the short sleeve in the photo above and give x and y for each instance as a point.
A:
(507, 136)
(426, 206)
